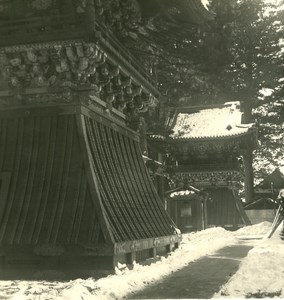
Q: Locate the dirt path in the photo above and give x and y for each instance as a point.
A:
(199, 280)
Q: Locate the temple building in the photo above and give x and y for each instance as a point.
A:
(75, 192)
(264, 205)
(209, 149)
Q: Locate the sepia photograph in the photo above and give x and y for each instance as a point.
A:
(141, 149)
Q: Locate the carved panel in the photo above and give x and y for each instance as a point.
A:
(203, 149)
(215, 178)
(77, 66)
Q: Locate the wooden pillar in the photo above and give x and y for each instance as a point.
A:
(205, 213)
(200, 223)
(202, 215)
(247, 159)
(176, 212)
(247, 108)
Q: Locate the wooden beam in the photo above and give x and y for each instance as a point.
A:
(150, 243)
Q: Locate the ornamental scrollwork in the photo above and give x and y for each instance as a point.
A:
(208, 178)
(204, 149)
(77, 66)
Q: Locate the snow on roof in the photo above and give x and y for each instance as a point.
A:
(281, 169)
(218, 122)
(157, 137)
(182, 193)
(205, 3)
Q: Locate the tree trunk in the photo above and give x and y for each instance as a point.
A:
(247, 108)
(247, 159)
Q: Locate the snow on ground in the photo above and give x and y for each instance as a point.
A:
(255, 231)
(261, 273)
(125, 281)
(265, 261)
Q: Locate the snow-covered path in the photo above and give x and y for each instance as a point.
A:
(261, 273)
(200, 279)
(194, 246)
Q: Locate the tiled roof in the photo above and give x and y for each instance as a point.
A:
(276, 177)
(209, 123)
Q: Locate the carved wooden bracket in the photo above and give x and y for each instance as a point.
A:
(74, 66)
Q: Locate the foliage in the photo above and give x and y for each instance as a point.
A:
(269, 155)
(236, 56)
(232, 57)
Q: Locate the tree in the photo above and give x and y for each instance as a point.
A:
(269, 113)
(235, 56)
(232, 57)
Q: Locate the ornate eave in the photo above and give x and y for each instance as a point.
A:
(222, 178)
(67, 53)
(208, 129)
(229, 144)
(72, 65)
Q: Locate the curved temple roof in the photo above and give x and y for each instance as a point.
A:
(210, 123)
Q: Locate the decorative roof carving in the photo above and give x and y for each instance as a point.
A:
(75, 66)
(209, 178)
(65, 44)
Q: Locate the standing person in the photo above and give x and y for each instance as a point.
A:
(280, 200)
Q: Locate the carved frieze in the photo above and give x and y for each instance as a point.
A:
(75, 66)
(214, 178)
(203, 149)
(75, 49)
